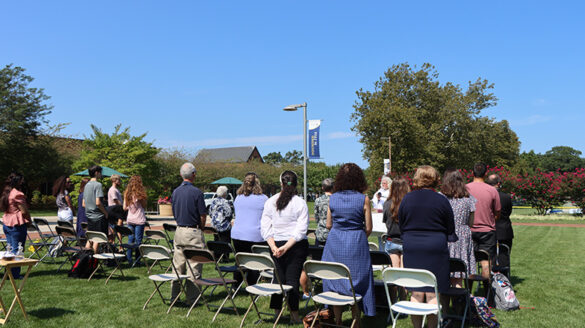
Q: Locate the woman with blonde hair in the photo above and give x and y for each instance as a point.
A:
(248, 208)
(425, 220)
(135, 203)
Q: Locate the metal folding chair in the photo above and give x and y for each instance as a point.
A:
(41, 246)
(481, 255)
(203, 256)
(64, 234)
(265, 250)
(101, 238)
(261, 262)
(457, 265)
(159, 253)
(411, 278)
(123, 232)
(220, 247)
(331, 271)
(502, 264)
(40, 222)
(169, 228)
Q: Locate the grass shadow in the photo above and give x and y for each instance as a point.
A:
(50, 312)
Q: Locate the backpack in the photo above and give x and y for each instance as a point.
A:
(504, 293)
(84, 264)
(481, 315)
(325, 316)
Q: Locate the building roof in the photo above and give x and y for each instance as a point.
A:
(229, 155)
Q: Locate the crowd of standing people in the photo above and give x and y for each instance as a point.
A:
(427, 224)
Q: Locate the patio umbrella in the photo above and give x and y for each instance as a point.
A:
(106, 172)
(227, 181)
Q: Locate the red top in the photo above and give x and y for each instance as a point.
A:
(488, 202)
(13, 216)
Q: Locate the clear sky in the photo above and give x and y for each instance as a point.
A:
(196, 74)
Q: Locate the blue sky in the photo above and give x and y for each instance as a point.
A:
(196, 74)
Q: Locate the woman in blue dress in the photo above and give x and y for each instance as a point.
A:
(350, 219)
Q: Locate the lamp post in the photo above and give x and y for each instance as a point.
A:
(292, 108)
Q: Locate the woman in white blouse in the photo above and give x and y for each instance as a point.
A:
(284, 224)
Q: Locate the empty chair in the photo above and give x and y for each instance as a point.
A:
(223, 248)
(458, 266)
(481, 255)
(411, 278)
(155, 236)
(502, 264)
(265, 250)
(65, 233)
(101, 238)
(261, 262)
(169, 228)
(40, 222)
(159, 253)
(40, 246)
(204, 256)
(332, 271)
(380, 260)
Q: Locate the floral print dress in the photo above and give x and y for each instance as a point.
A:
(463, 248)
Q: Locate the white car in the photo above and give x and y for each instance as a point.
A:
(209, 196)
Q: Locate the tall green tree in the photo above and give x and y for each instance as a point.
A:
(562, 158)
(125, 153)
(24, 148)
(273, 158)
(429, 122)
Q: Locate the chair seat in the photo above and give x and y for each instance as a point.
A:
(454, 291)
(108, 256)
(378, 267)
(477, 277)
(267, 274)
(266, 289)
(332, 298)
(209, 281)
(413, 308)
(228, 268)
(70, 249)
(167, 277)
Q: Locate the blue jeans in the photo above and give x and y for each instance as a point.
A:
(15, 235)
(135, 238)
(392, 248)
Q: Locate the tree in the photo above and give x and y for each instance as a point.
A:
(294, 157)
(123, 152)
(23, 146)
(562, 158)
(430, 123)
(273, 158)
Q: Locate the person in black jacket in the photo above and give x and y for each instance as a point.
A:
(504, 232)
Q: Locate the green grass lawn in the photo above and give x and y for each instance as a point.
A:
(547, 273)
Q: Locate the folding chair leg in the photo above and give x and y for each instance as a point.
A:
(284, 305)
(248, 311)
(152, 294)
(99, 265)
(316, 316)
(182, 291)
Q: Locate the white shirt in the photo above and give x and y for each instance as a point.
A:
(379, 203)
(291, 222)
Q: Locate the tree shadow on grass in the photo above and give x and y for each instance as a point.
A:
(48, 313)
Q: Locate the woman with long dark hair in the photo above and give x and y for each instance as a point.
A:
(463, 205)
(284, 225)
(16, 215)
(350, 219)
(61, 189)
(246, 231)
(398, 190)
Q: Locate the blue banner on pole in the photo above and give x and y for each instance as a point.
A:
(314, 126)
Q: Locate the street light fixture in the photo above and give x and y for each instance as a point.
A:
(292, 108)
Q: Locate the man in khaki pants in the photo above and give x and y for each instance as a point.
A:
(190, 213)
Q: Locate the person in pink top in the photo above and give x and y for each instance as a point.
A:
(134, 203)
(487, 211)
(16, 216)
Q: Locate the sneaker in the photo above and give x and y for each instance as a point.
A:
(306, 296)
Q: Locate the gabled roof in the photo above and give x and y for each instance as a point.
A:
(229, 155)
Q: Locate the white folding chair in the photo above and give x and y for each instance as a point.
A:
(331, 271)
(411, 278)
(101, 238)
(261, 262)
(159, 253)
(265, 250)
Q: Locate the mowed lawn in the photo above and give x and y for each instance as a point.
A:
(547, 273)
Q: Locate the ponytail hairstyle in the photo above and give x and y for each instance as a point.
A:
(251, 185)
(14, 180)
(288, 179)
